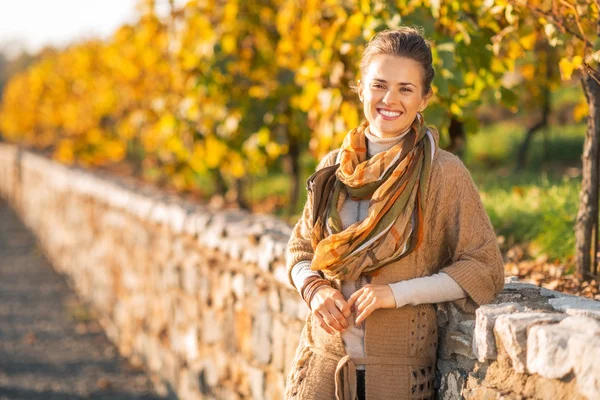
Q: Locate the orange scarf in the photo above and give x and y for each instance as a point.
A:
(395, 181)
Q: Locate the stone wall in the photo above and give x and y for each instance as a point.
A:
(200, 296)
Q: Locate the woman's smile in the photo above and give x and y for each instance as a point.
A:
(388, 115)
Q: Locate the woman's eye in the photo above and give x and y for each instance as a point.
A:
(404, 89)
(378, 86)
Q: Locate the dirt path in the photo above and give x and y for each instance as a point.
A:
(50, 347)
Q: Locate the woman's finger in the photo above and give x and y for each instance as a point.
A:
(329, 319)
(363, 300)
(354, 296)
(322, 323)
(366, 312)
(339, 317)
(342, 305)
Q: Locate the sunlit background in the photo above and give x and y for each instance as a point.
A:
(234, 102)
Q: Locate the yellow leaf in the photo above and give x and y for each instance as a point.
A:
(228, 43)
(528, 71)
(353, 26)
(236, 166)
(528, 41)
(258, 92)
(273, 150)
(566, 68)
(455, 109)
(215, 151)
(264, 136)
(577, 61)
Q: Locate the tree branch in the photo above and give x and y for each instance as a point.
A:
(559, 22)
(593, 73)
(577, 20)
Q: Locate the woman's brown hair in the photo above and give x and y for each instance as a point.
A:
(403, 42)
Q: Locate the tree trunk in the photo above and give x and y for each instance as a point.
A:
(456, 131)
(586, 227)
(235, 195)
(522, 155)
(219, 182)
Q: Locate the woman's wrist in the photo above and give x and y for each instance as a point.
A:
(310, 288)
(301, 273)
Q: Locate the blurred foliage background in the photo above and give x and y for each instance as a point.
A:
(235, 101)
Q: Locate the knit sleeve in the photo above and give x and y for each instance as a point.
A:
(299, 248)
(476, 263)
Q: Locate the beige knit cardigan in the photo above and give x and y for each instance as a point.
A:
(401, 343)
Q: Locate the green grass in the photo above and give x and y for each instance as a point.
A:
(538, 213)
(537, 206)
(497, 146)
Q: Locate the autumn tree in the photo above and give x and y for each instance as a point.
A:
(573, 26)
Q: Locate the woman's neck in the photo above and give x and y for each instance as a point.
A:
(376, 144)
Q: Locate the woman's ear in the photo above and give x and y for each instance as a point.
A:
(425, 100)
(360, 90)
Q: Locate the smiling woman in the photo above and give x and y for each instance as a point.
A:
(392, 226)
(392, 94)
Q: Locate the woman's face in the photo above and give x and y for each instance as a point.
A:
(392, 93)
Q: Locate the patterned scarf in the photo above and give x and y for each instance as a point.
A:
(395, 181)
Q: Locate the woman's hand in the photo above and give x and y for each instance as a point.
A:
(331, 309)
(369, 298)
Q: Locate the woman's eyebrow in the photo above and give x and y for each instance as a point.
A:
(399, 83)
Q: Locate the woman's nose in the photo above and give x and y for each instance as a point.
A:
(390, 98)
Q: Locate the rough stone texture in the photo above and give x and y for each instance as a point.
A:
(512, 330)
(577, 306)
(201, 297)
(484, 343)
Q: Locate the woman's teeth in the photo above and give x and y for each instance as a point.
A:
(389, 114)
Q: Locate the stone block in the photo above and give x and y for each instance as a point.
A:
(221, 291)
(586, 368)
(211, 326)
(467, 327)
(484, 343)
(274, 300)
(582, 324)
(238, 286)
(553, 293)
(520, 286)
(451, 386)
(256, 378)
(547, 351)
(190, 273)
(274, 386)
(243, 330)
(577, 306)
(266, 252)
(292, 339)
(261, 331)
(188, 387)
(512, 331)
(280, 274)
(278, 350)
(190, 344)
(459, 343)
(211, 371)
